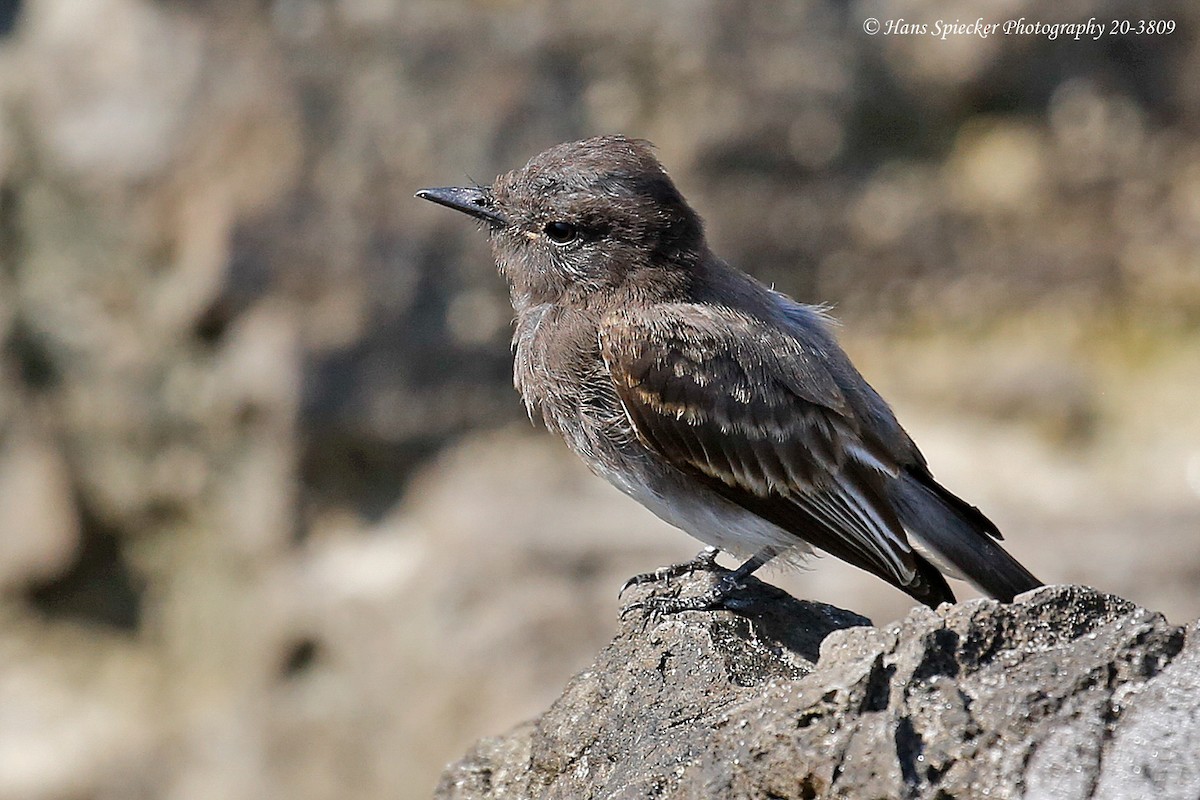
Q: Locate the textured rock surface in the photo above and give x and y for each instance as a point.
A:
(1067, 693)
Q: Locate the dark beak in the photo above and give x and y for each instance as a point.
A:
(469, 200)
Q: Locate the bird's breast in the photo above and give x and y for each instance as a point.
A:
(561, 376)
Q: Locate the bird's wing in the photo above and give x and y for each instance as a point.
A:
(753, 412)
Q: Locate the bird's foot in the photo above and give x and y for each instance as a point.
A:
(705, 561)
(719, 597)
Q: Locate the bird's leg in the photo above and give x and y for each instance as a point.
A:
(704, 561)
(715, 598)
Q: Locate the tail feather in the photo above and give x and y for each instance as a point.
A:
(958, 538)
(968, 512)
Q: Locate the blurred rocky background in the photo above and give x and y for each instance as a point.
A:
(271, 521)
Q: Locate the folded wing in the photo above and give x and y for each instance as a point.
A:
(751, 412)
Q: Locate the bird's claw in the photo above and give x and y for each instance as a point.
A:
(704, 561)
(719, 597)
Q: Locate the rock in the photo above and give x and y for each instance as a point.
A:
(1066, 693)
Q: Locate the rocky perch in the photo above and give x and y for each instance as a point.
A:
(1066, 693)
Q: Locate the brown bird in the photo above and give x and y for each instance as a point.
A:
(724, 407)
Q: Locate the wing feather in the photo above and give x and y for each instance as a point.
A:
(765, 425)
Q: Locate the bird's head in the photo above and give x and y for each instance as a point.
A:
(583, 217)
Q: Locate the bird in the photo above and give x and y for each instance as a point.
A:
(725, 407)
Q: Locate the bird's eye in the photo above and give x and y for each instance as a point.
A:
(561, 232)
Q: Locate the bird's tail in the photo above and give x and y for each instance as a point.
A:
(958, 539)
